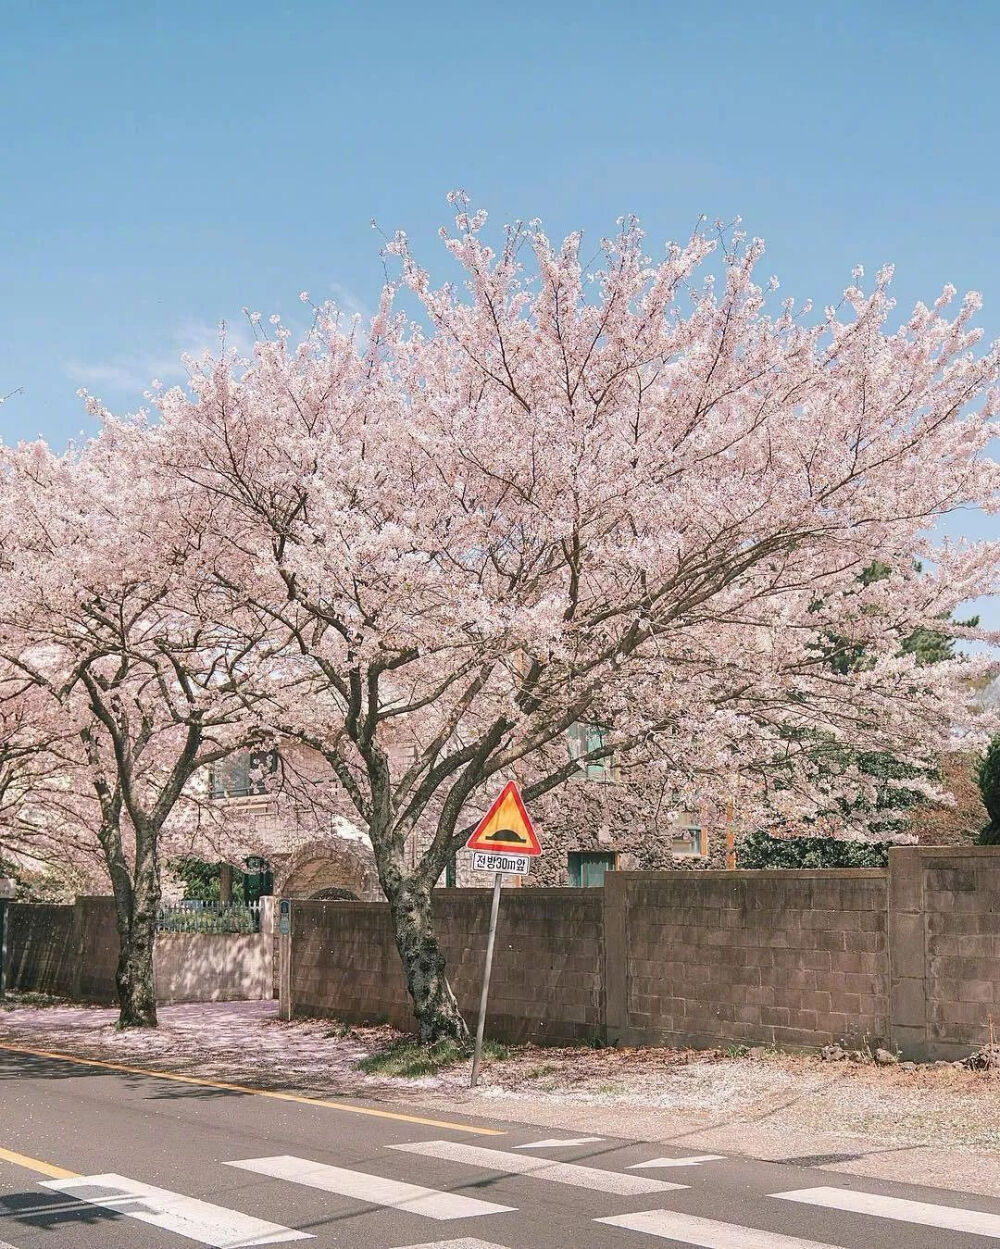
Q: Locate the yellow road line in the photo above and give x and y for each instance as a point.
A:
(242, 1088)
(36, 1164)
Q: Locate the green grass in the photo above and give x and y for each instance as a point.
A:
(408, 1060)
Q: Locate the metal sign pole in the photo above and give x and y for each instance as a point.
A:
(477, 1057)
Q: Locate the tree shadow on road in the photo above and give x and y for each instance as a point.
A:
(50, 1210)
(15, 1066)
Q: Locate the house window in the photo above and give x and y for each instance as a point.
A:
(686, 834)
(584, 738)
(243, 774)
(587, 869)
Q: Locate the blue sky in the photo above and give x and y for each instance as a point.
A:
(165, 165)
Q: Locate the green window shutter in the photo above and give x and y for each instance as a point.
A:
(587, 870)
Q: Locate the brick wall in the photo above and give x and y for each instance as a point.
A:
(781, 958)
(40, 948)
(547, 982)
(213, 967)
(72, 951)
(910, 956)
(97, 934)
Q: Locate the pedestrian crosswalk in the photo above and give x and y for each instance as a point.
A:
(707, 1233)
(524, 1177)
(950, 1218)
(592, 1178)
(375, 1190)
(695, 1160)
(465, 1243)
(200, 1221)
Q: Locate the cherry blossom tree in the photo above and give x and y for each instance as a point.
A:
(123, 682)
(46, 822)
(637, 495)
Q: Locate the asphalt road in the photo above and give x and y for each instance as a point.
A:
(97, 1159)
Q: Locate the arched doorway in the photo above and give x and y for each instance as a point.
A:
(331, 868)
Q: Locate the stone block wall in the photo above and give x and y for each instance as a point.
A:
(72, 951)
(98, 945)
(779, 958)
(547, 982)
(213, 967)
(343, 962)
(548, 966)
(40, 949)
(908, 957)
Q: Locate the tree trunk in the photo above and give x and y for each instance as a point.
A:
(434, 1004)
(134, 977)
(137, 933)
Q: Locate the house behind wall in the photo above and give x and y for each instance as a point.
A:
(595, 822)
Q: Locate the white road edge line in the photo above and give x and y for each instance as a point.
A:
(687, 1229)
(557, 1144)
(509, 1163)
(694, 1161)
(954, 1218)
(171, 1212)
(374, 1190)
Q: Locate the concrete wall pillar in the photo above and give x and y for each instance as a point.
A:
(615, 959)
(268, 914)
(907, 928)
(284, 925)
(269, 929)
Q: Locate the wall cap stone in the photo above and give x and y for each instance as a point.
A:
(782, 873)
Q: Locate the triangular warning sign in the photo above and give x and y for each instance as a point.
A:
(506, 826)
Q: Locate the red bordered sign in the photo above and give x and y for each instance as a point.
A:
(506, 827)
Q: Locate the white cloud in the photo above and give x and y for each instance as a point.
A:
(128, 375)
(132, 373)
(349, 303)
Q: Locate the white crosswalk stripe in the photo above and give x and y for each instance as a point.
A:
(687, 1229)
(593, 1178)
(465, 1243)
(952, 1218)
(200, 1221)
(374, 1190)
(695, 1160)
(552, 1143)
